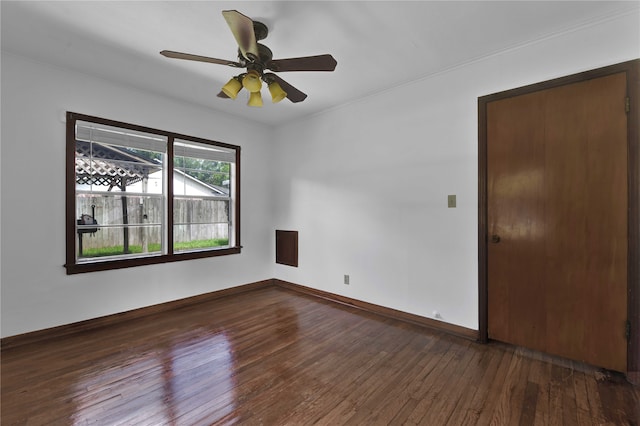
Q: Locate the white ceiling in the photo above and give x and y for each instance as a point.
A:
(378, 44)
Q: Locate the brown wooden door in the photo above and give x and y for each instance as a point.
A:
(557, 221)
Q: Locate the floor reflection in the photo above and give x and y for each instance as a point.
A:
(202, 380)
(181, 384)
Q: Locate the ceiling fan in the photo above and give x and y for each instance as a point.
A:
(258, 58)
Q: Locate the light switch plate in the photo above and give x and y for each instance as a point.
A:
(451, 201)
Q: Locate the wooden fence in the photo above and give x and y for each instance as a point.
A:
(194, 219)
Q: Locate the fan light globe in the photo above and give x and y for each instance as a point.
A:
(232, 88)
(255, 99)
(252, 82)
(277, 94)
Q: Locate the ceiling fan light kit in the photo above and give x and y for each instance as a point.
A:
(255, 99)
(252, 82)
(232, 88)
(257, 58)
(277, 94)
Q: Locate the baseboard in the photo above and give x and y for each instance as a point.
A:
(456, 330)
(94, 323)
(105, 321)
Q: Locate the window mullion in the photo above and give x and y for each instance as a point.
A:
(169, 180)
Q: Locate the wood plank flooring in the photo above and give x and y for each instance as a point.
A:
(277, 357)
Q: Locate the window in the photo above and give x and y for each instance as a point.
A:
(138, 196)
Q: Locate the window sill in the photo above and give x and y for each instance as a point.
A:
(79, 268)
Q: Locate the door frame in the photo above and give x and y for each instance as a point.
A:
(632, 70)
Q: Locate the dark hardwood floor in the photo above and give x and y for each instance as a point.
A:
(273, 356)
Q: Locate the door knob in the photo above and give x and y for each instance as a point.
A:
(495, 239)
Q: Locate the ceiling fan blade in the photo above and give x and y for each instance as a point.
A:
(293, 94)
(307, 63)
(242, 28)
(190, 57)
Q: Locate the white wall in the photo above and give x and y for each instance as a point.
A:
(366, 184)
(36, 292)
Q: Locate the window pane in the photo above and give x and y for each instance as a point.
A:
(201, 177)
(201, 189)
(118, 224)
(114, 169)
(118, 136)
(200, 223)
(101, 167)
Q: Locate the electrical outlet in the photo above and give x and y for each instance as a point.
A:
(346, 279)
(451, 201)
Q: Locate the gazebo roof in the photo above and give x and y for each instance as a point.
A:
(108, 165)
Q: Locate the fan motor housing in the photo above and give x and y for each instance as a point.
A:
(264, 57)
